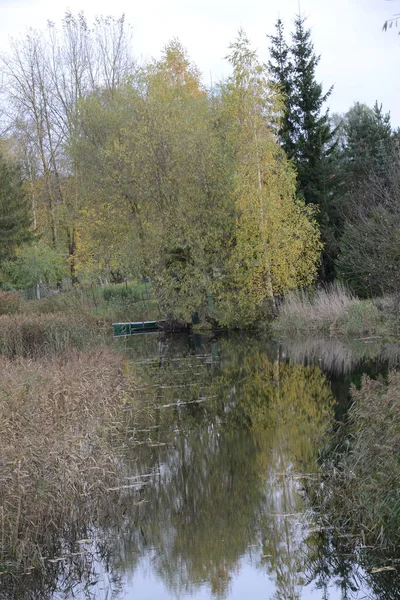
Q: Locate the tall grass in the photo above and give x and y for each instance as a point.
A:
(36, 335)
(332, 310)
(119, 302)
(57, 417)
(359, 488)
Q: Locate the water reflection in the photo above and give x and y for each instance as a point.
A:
(343, 357)
(228, 481)
(227, 431)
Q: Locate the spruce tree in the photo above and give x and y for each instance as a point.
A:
(281, 69)
(306, 133)
(14, 211)
(313, 136)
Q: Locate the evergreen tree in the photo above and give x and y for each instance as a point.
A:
(14, 212)
(368, 144)
(281, 69)
(312, 132)
(306, 133)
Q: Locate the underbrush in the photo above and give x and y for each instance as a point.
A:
(358, 489)
(331, 310)
(58, 417)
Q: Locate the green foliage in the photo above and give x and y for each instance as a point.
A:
(370, 249)
(312, 129)
(365, 147)
(35, 264)
(120, 292)
(305, 130)
(14, 210)
(361, 318)
(281, 68)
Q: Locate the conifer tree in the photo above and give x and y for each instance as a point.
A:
(281, 69)
(312, 134)
(306, 133)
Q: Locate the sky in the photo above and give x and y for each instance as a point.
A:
(357, 57)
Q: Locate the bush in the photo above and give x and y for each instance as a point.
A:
(361, 318)
(9, 303)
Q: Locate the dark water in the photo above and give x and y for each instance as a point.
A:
(213, 504)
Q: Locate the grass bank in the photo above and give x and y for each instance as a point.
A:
(336, 312)
(358, 489)
(58, 461)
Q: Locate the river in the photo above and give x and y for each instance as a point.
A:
(215, 505)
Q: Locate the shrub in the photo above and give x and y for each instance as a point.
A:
(361, 318)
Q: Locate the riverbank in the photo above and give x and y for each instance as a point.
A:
(357, 489)
(335, 312)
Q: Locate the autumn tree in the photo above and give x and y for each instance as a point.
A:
(46, 74)
(276, 241)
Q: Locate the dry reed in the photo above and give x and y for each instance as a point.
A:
(56, 455)
(332, 310)
(35, 335)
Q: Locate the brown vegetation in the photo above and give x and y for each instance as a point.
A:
(56, 457)
(35, 335)
(331, 310)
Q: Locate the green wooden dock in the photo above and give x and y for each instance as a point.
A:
(137, 327)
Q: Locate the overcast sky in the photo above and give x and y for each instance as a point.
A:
(357, 58)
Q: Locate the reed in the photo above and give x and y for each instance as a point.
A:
(35, 335)
(331, 310)
(58, 457)
(358, 488)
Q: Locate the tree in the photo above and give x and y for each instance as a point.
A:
(204, 193)
(305, 132)
(366, 146)
(370, 251)
(281, 68)
(313, 135)
(46, 75)
(14, 210)
(276, 241)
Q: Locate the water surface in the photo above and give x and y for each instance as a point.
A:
(213, 505)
